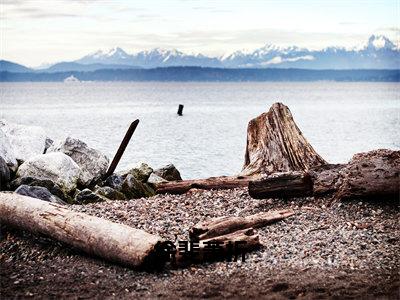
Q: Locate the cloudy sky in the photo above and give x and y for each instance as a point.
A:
(39, 31)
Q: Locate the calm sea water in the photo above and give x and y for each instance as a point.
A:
(339, 119)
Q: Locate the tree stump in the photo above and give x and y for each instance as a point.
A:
(276, 144)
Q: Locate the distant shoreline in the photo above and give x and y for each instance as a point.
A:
(201, 74)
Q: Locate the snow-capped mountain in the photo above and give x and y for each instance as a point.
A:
(115, 56)
(377, 53)
(150, 58)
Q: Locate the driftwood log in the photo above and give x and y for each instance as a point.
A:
(224, 234)
(282, 185)
(225, 225)
(220, 183)
(111, 241)
(276, 144)
(373, 175)
(221, 247)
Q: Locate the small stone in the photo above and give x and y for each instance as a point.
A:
(48, 143)
(87, 196)
(155, 179)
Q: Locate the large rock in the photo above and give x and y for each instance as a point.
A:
(133, 188)
(39, 193)
(114, 181)
(169, 173)
(110, 193)
(276, 144)
(56, 166)
(93, 163)
(7, 152)
(51, 186)
(4, 174)
(141, 172)
(26, 141)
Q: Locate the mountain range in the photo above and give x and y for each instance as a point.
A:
(378, 53)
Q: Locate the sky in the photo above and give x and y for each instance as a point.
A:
(34, 32)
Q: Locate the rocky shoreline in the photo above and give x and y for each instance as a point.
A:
(327, 250)
(68, 171)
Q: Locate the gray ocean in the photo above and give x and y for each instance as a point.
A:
(338, 119)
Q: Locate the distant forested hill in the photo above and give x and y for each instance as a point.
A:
(208, 74)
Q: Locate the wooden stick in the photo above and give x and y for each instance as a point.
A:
(225, 225)
(122, 148)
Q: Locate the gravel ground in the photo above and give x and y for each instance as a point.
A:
(327, 250)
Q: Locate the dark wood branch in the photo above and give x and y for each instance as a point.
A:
(282, 185)
(219, 183)
(225, 225)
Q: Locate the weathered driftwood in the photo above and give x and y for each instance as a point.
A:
(276, 144)
(373, 174)
(282, 185)
(111, 241)
(225, 225)
(182, 186)
(325, 178)
(221, 247)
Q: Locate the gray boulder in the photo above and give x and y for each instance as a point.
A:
(26, 141)
(141, 172)
(93, 163)
(39, 193)
(169, 173)
(110, 193)
(4, 174)
(87, 196)
(46, 183)
(56, 166)
(114, 181)
(7, 152)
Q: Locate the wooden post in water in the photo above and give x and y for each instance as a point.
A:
(180, 109)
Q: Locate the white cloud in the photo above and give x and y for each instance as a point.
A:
(68, 29)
